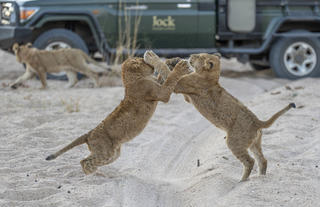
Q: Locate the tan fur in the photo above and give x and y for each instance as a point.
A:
(243, 128)
(142, 93)
(41, 62)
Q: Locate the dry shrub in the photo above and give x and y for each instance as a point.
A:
(127, 44)
(71, 105)
(127, 40)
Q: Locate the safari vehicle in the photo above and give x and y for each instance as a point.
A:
(281, 34)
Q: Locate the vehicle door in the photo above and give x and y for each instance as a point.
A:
(161, 23)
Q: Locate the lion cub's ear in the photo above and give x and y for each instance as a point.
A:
(15, 47)
(210, 64)
(29, 44)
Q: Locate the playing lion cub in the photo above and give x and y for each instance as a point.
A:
(41, 62)
(142, 93)
(202, 89)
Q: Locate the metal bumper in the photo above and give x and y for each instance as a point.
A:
(11, 34)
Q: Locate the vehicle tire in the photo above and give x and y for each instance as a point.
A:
(295, 57)
(60, 38)
(259, 67)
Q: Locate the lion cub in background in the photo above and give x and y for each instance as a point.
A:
(41, 62)
(202, 89)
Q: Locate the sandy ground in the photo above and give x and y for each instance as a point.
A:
(160, 166)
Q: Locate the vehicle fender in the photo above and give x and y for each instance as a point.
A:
(84, 16)
(272, 34)
(276, 24)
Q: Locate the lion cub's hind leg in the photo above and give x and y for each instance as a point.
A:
(257, 152)
(43, 78)
(96, 159)
(72, 79)
(88, 164)
(85, 69)
(240, 151)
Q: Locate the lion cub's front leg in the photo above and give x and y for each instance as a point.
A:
(152, 59)
(179, 70)
(26, 76)
(157, 92)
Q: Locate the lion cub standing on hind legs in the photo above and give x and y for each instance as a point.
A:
(142, 93)
(202, 89)
(42, 61)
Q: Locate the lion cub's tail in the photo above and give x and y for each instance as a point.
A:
(81, 140)
(268, 123)
(90, 60)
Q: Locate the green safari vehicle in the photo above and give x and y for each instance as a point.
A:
(278, 34)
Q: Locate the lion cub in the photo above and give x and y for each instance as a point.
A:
(142, 93)
(42, 61)
(202, 89)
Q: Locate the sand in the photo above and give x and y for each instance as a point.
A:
(180, 159)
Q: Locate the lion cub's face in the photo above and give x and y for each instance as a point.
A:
(206, 63)
(18, 50)
(147, 70)
(140, 68)
(135, 68)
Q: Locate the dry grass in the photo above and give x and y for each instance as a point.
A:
(127, 34)
(127, 44)
(71, 105)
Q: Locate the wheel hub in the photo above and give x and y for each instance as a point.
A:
(57, 45)
(300, 58)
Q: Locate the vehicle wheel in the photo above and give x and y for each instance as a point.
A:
(259, 67)
(60, 38)
(294, 58)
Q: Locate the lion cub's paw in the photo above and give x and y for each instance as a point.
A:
(151, 58)
(182, 67)
(171, 63)
(13, 86)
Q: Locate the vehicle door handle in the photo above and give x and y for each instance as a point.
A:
(136, 7)
(184, 6)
